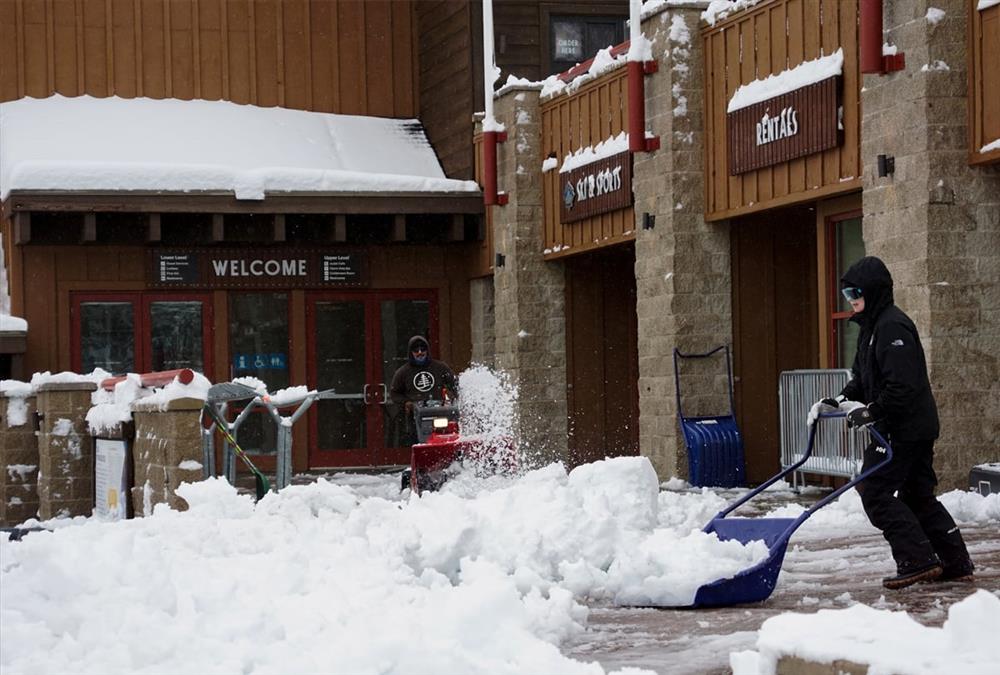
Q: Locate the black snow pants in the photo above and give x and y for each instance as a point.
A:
(920, 531)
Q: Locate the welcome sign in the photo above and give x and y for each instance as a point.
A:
(257, 268)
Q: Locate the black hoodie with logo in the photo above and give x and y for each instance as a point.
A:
(415, 381)
(890, 371)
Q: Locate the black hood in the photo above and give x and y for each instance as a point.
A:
(872, 276)
(416, 339)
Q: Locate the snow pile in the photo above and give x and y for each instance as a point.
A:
(718, 10)
(10, 323)
(111, 408)
(934, 15)
(885, 641)
(804, 74)
(320, 578)
(937, 64)
(584, 156)
(161, 398)
(106, 144)
(603, 62)
(17, 407)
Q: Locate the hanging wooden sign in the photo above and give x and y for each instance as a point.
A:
(794, 124)
(599, 187)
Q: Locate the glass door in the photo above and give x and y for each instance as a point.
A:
(141, 332)
(357, 340)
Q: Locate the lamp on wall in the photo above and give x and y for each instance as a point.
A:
(501, 259)
(886, 165)
(648, 221)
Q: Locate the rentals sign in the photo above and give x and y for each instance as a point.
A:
(794, 124)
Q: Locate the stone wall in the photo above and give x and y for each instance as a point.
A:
(65, 451)
(164, 439)
(18, 460)
(936, 223)
(682, 264)
(529, 293)
(482, 299)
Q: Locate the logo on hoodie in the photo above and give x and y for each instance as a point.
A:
(423, 381)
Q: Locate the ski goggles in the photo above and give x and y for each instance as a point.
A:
(852, 293)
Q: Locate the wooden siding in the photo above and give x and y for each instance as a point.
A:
(984, 73)
(752, 45)
(339, 56)
(449, 78)
(595, 112)
(482, 263)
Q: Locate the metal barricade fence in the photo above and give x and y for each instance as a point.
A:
(837, 451)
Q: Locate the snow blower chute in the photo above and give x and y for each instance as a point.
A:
(756, 583)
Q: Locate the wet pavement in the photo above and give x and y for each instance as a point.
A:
(816, 574)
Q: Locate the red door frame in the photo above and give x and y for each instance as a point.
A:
(833, 286)
(141, 324)
(375, 454)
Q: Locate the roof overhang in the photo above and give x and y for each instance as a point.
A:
(205, 202)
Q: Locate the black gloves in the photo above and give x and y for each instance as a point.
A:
(830, 403)
(862, 417)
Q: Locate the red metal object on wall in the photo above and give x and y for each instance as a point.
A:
(637, 141)
(872, 59)
(158, 379)
(490, 195)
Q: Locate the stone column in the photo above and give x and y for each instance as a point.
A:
(18, 460)
(682, 265)
(936, 224)
(65, 450)
(529, 310)
(167, 452)
(482, 298)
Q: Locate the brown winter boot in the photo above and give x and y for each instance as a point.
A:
(908, 577)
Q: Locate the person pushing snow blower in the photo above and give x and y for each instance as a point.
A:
(418, 380)
(889, 377)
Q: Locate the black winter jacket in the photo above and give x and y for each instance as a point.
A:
(890, 371)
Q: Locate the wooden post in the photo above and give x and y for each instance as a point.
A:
(340, 227)
(153, 232)
(399, 227)
(456, 232)
(90, 227)
(22, 227)
(218, 227)
(279, 227)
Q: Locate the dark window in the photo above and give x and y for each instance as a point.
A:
(107, 336)
(847, 246)
(574, 39)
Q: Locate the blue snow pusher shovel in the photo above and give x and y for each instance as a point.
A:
(756, 583)
(714, 442)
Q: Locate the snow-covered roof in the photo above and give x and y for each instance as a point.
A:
(169, 146)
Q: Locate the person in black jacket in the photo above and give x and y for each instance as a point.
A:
(420, 379)
(889, 376)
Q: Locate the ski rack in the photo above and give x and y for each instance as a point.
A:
(284, 424)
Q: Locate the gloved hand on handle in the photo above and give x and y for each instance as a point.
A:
(863, 416)
(824, 405)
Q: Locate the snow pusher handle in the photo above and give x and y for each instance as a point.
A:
(678, 354)
(876, 436)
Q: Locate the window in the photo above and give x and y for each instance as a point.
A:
(574, 39)
(141, 332)
(845, 245)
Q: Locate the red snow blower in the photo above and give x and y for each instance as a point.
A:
(440, 446)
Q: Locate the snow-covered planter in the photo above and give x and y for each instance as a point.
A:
(18, 454)
(166, 452)
(65, 447)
